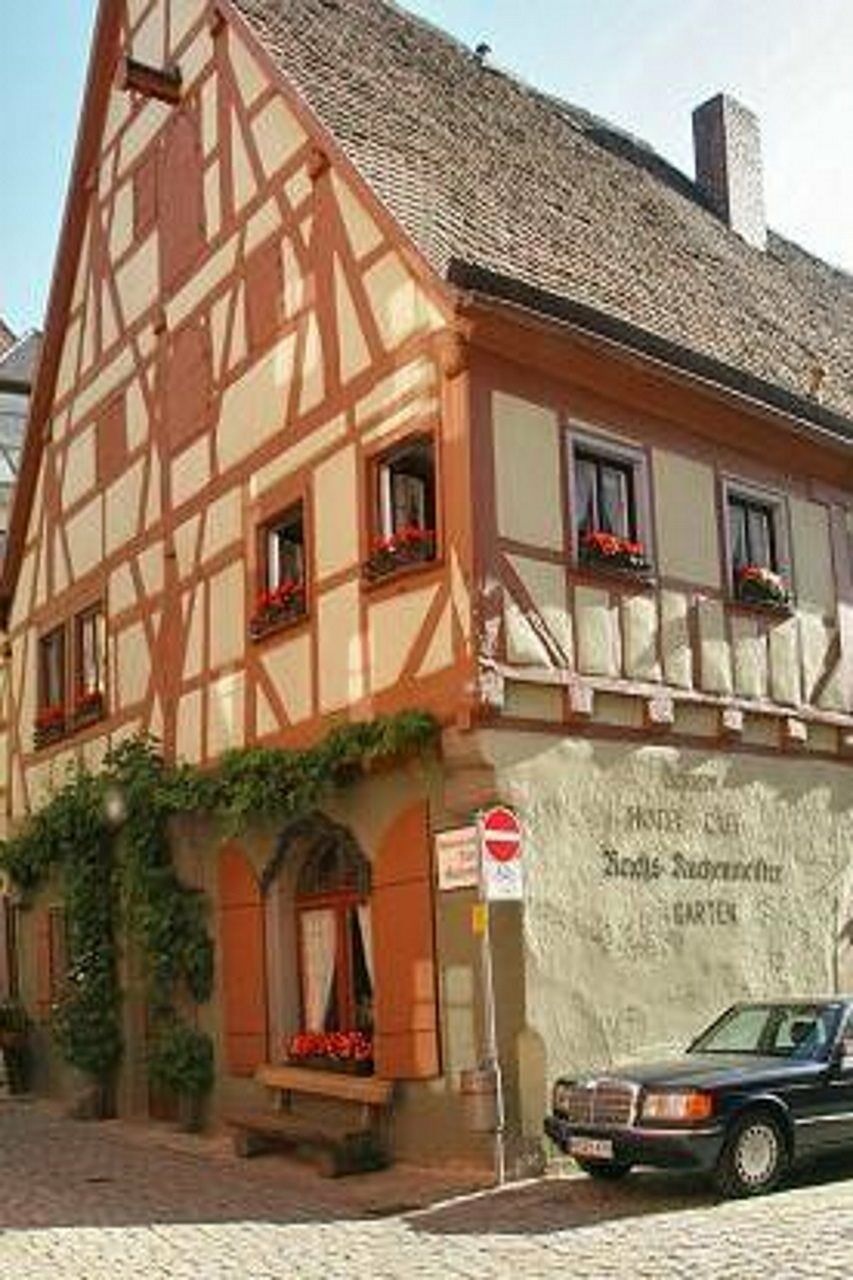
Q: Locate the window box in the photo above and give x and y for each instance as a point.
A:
(757, 585)
(601, 550)
(88, 708)
(50, 726)
(345, 1052)
(408, 546)
(278, 608)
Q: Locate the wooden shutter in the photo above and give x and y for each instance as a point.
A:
(241, 937)
(406, 1014)
(41, 925)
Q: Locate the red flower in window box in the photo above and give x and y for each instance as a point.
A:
(598, 547)
(49, 725)
(756, 584)
(333, 1050)
(278, 605)
(50, 717)
(410, 544)
(88, 705)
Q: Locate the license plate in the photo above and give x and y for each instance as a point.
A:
(594, 1148)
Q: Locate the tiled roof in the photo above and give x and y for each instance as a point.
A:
(497, 184)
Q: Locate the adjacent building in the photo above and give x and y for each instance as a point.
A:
(18, 358)
(375, 379)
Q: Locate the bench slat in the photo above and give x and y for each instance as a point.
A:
(368, 1090)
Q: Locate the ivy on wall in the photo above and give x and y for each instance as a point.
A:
(105, 837)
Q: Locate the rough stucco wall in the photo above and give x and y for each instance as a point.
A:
(637, 959)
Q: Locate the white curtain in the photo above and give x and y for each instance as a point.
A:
(319, 946)
(365, 924)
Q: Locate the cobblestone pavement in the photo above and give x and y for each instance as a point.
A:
(87, 1202)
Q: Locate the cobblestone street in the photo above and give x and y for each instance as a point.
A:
(96, 1201)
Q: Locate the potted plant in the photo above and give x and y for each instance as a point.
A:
(14, 1041)
(181, 1062)
(350, 1052)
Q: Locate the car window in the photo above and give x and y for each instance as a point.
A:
(847, 1038)
(799, 1034)
(738, 1033)
(800, 1031)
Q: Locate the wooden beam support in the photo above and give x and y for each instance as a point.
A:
(163, 83)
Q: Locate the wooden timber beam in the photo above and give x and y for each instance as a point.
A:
(152, 82)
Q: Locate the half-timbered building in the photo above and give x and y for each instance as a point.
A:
(374, 379)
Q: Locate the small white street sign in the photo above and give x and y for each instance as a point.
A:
(457, 856)
(500, 839)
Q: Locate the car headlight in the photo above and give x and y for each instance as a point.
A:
(680, 1107)
(560, 1100)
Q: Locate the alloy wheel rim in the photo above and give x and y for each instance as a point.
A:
(757, 1154)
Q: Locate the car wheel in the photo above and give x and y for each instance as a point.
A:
(606, 1170)
(754, 1158)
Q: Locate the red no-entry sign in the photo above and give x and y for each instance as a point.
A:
(500, 838)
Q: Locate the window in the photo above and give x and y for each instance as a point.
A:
(89, 664)
(335, 939)
(610, 510)
(282, 595)
(405, 508)
(285, 551)
(604, 496)
(757, 547)
(753, 536)
(51, 678)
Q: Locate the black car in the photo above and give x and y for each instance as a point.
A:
(765, 1085)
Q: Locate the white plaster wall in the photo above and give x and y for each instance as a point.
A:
(612, 968)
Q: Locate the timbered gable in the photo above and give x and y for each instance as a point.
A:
(238, 328)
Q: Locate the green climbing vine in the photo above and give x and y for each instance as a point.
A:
(105, 837)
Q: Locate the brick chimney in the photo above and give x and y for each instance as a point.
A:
(727, 143)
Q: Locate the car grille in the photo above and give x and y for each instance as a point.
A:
(608, 1103)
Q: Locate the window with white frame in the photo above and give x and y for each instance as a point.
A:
(757, 545)
(403, 482)
(609, 503)
(285, 551)
(407, 489)
(88, 653)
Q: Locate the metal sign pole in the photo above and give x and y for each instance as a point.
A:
(492, 1032)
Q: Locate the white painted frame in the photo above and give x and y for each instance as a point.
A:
(777, 502)
(592, 439)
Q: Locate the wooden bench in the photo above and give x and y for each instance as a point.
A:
(343, 1150)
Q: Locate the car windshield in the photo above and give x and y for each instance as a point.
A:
(797, 1031)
